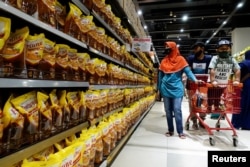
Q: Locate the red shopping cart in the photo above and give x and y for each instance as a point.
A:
(223, 99)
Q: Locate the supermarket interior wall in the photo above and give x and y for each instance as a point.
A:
(240, 39)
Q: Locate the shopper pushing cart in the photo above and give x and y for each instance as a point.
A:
(222, 96)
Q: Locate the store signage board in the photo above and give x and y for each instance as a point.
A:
(141, 44)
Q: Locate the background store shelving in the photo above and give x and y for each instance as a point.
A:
(24, 83)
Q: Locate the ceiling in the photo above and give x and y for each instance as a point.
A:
(163, 19)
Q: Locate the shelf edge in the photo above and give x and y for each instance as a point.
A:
(31, 150)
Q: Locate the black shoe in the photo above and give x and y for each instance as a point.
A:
(195, 126)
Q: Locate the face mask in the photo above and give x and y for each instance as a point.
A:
(167, 50)
(197, 54)
(223, 54)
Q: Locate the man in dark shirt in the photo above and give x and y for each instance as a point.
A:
(198, 63)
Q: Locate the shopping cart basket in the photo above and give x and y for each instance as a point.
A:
(223, 99)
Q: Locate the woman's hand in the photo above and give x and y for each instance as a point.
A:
(215, 83)
(236, 83)
(199, 82)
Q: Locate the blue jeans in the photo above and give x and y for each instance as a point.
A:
(173, 110)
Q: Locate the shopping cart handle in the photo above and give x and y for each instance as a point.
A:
(240, 85)
(209, 85)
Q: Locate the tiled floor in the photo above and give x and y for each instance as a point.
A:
(149, 147)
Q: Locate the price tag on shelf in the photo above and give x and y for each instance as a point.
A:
(141, 44)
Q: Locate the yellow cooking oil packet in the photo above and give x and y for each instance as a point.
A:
(82, 107)
(92, 103)
(13, 125)
(27, 105)
(86, 25)
(5, 28)
(88, 156)
(15, 44)
(73, 99)
(45, 115)
(57, 113)
(62, 62)
(106, 137)
(90, 69)
(12, 52)
(117, 125)
(92, 131)
(47, 63)
(65, 109)
(82, 59)
(74, 12)
(104, 101)
(65, 156)
(12, 116)
(61, 14)
(78, 148)
(34, 49)
(52, 162)
(59, 145)
(71, 25)
(71, 139)
(73, 64)
(27, 163)
(99, 145)
(101, 71)
(42, 155)
(112, 131)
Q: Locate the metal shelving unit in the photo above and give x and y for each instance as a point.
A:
(31, 83)
(34, 21)
(13, 158)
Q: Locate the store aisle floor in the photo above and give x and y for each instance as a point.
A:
(149, 147)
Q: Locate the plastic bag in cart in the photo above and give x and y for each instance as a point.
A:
(231, 99)
(199, 99)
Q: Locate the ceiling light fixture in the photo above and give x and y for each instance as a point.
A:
(227, 19)
(171, 13)
(139, 12)
(185, 18)
(240, 4)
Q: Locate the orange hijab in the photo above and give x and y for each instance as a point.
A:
(173, 62)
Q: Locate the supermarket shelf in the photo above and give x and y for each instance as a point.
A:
(124, 140)
(97, 87)
(39, 83)
(31, 83)
(107, 26)
(81, 6)
(105, 56)
(136, 54)
(96, 120)
(36, 22)
(31, 150)
(119, 11)
(87, 12)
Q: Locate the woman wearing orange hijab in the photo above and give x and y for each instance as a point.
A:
(171, 86)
